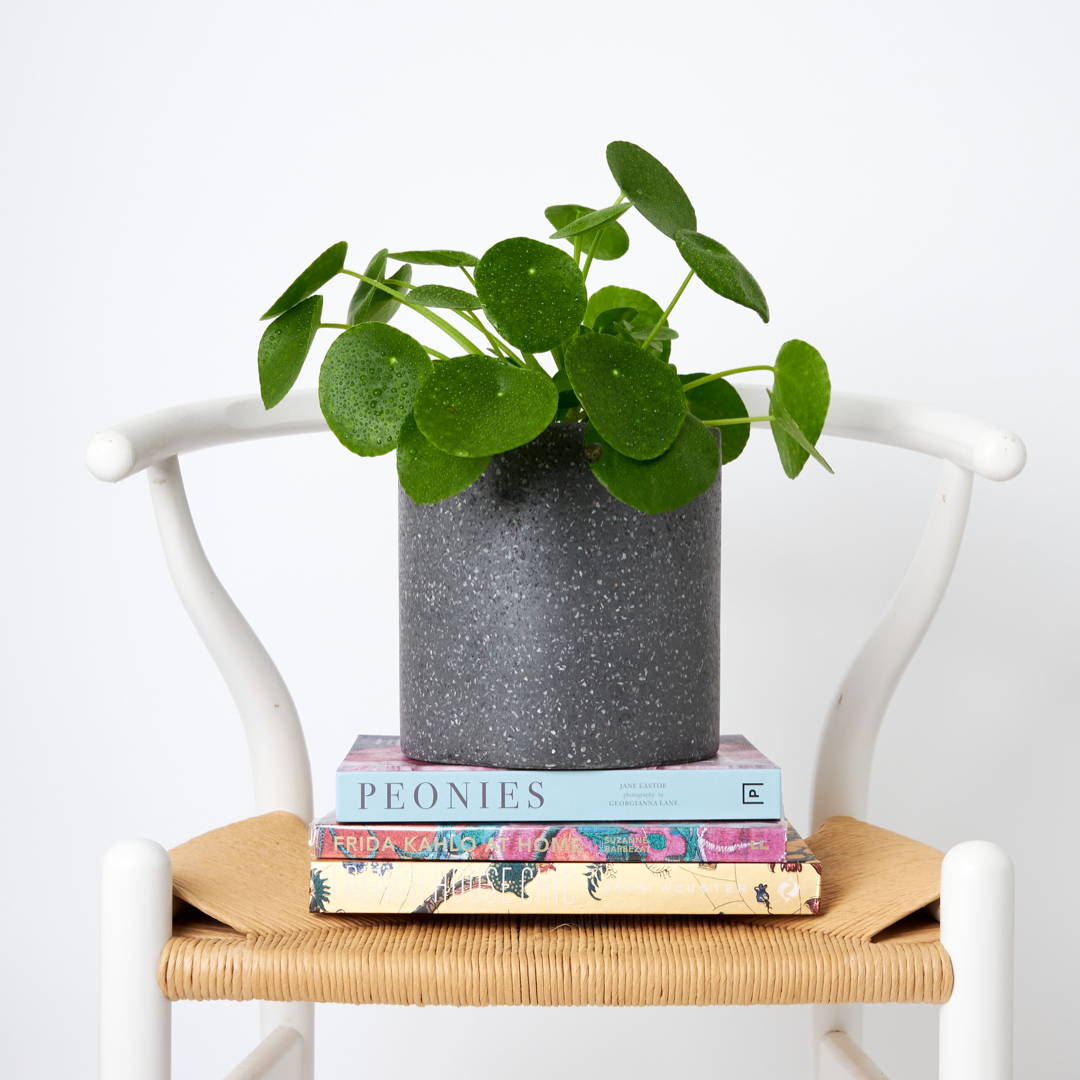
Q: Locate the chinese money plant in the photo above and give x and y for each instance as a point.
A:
(448, 411)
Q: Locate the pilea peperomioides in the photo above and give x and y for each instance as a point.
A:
(646, 434)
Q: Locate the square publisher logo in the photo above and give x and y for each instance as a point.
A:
(752, 795)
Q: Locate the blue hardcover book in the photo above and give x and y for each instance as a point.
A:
(377, 783)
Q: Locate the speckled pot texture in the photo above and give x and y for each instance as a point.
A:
(546, 625)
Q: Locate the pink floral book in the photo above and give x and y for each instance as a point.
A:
(691, 841)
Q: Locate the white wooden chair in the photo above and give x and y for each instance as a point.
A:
(975, 1022)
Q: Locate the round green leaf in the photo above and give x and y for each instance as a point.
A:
(476, 405)
(429, 474)
(365, 294)
(284, 347)
(326, 266)
(436, 258)
(647, 312)
(680, 474)
(800, 398)
(369, 380)
(651, 188)
(721, 271)
(592, 219)
(614, 296)
(610, 239)
(442, 296)
(369, 304)
(782, 421)
(633, 398)
(381, 306)
(719, 400)
(532, 292)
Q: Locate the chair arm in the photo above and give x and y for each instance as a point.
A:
(130, 447)
(136, 444)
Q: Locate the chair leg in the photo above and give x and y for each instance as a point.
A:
(847, 1018)
(298, 1015)
(136, 922)
(977, 932)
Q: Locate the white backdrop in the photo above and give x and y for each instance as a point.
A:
(900, 179)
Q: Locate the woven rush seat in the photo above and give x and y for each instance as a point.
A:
(242, 931)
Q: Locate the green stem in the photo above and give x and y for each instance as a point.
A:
(667, 311)
(334, 326)
(531, 361)
(738, 420)
(559, 356)
(435, 352)
(596, 239)
(723, 374)
(441, 323)
(592, 251)
(577, 251)
(465, 271)
(500, 346)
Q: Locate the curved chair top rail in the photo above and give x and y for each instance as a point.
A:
(280, 769)
(130, 447)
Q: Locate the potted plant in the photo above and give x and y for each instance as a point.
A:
(559, 517)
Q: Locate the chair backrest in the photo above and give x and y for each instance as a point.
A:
(282, 776)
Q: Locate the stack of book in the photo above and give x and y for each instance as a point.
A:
(703, 838)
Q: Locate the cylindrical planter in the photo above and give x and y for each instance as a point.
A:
(546, 625)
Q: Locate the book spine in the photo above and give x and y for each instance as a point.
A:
(661, 842)
(406, 887)
(494, 795)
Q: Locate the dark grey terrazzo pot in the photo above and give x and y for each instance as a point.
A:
(546, 625)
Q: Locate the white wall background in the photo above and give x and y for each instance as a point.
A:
(902, 180)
